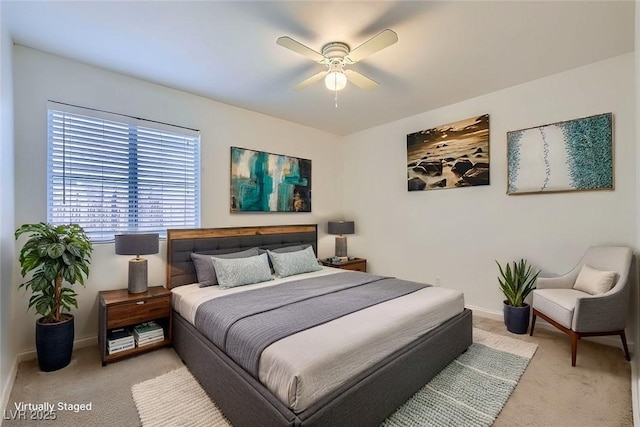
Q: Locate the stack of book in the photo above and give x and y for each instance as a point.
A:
(119, 340)
(148, 333)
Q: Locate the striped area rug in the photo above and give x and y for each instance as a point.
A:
(471, 391)
(176, 399)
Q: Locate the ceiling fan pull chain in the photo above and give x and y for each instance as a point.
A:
(336, 98)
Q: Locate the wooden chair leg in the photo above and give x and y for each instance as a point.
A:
(533, 323)
(574, 347)
(623, 337)
(575, 336)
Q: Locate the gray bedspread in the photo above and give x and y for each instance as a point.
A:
(245, 323)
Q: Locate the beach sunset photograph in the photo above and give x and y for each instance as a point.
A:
(449, 156)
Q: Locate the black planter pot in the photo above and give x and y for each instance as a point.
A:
(54, 344)
(517, 318)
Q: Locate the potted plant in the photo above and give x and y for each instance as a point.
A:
(57, 255)
(516, 282)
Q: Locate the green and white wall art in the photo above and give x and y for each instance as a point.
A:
(565, 156)
(266, 182)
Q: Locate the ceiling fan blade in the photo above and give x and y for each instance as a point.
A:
(310, 80)
(378, 42)
(360, 80)
(298, 47)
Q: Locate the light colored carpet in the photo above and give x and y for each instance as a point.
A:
(84, 381)
(596, 392)
(471, 391)
(552, 393)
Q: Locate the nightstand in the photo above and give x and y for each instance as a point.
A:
(357, 264)
(119, 309)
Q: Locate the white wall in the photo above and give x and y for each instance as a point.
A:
(635, 356)
(452, 235)
(455, 235)
(40, 77)
(8, 348)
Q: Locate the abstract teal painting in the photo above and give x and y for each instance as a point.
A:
(267, 182)
(565, 156)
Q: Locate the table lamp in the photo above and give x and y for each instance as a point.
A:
(137, 244)
(339, 228)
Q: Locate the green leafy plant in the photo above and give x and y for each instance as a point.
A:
(56, 255)
(516, 281)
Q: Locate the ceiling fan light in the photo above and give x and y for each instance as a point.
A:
(335, 81)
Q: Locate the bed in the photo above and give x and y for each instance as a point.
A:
(351, 397)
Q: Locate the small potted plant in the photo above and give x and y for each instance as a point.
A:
(516, 282)
(56, 255)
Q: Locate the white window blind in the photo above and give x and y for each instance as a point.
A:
(114, 177)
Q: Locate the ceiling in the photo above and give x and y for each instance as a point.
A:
(447, 51)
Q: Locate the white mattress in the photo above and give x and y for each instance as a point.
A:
(305, 366)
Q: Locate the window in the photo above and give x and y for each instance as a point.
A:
(121, 176)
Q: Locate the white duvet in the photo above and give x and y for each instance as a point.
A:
(306, 366)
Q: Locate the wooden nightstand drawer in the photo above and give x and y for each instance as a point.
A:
(354, 264)
(137, 311)
(120, 309)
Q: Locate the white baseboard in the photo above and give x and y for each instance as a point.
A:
(634, 389)
(8, 385)
(81, 343)
(483, 312)
(613, 341)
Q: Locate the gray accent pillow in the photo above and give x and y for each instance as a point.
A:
(204, 265)
(241, 271)
(283, 250)
(290, 263)
(287, 249)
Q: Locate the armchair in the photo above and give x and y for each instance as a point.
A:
(581, 314)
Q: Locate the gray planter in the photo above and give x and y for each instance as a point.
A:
(517, 318)
(54, 344)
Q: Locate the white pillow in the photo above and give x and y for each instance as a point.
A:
(594, 281)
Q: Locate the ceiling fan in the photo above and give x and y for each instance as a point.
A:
(336, 56)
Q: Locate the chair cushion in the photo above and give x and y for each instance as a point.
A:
(594, 281)
(558, 304)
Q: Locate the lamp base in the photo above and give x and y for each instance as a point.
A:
(137, 276)
(341, 246)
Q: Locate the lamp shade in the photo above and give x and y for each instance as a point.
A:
(137, 244)
(341, 227)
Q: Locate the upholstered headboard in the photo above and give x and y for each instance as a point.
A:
(211, 241)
